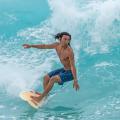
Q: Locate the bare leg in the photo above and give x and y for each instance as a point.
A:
(48, 88)
(46, 81)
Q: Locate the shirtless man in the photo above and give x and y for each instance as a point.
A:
(66, 56)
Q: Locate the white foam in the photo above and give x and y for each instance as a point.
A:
(94, 20)
(14, 79)
(104, 64)
(89, 20)
(2, 106)
(2, 117)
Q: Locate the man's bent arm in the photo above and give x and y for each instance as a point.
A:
(73, 69)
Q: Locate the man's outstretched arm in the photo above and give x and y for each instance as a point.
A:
(42, 46)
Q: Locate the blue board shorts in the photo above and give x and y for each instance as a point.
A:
(65, 75)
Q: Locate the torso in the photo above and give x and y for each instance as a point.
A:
(64, 56)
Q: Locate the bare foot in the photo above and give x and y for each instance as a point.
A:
(37, 99)
(35, 92)
(34, 102)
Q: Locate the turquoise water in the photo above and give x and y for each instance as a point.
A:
(95, 29)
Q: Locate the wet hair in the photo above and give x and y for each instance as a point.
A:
(59, 35)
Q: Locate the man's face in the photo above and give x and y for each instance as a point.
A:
(65, 40)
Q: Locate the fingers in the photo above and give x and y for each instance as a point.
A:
(26, 46)
(77, 87)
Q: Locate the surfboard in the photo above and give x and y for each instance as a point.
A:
(26, 96)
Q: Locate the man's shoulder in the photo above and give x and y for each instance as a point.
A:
(55, 44)
(70, 51)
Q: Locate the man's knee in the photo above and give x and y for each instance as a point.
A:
(46, 77)
(55, 78)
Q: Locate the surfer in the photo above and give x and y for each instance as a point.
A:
(66, 56)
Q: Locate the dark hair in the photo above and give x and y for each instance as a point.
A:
(59, 35)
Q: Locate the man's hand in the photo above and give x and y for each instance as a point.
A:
(76, 85)
(27, 46)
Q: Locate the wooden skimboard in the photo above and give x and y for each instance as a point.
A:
(26, 96)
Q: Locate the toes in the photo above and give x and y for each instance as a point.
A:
(32, 97)
(38, 93)
(34, 102)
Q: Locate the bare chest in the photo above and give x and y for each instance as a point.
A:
(63, 54)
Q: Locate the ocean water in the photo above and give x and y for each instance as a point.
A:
(95, 29)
